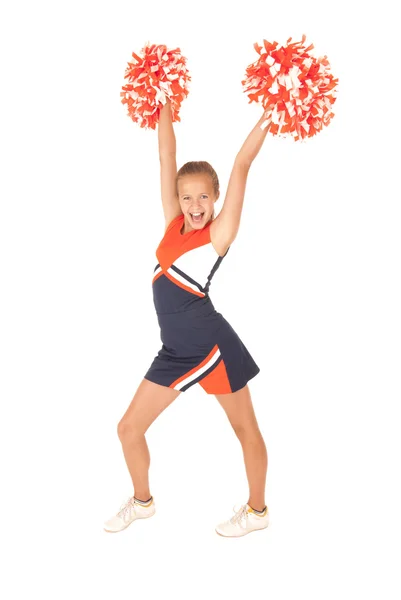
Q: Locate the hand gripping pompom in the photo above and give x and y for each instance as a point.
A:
(296, 89)
(158, 75)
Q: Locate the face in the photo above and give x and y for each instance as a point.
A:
(196, 197)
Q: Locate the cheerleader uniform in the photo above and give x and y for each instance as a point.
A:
(198, 344)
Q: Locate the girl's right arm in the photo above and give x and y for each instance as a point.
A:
(168, 164)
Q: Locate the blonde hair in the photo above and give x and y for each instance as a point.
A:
(194, 167)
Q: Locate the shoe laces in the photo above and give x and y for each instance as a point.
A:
(241, 515)
(126, 509)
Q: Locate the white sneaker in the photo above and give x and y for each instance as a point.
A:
(129, 512)
(244, 521)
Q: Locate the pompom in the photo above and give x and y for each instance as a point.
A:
(296, 89)
(158, 75)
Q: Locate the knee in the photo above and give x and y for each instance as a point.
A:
(127, 429)
(245, 433)
(240, 431)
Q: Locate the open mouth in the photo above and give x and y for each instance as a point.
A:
(197, 217)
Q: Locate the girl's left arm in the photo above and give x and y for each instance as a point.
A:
(224, 227)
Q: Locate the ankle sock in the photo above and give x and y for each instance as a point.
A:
(259, 512)
(143, 502)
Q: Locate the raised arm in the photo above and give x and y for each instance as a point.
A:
(168, 164)
(225, 226)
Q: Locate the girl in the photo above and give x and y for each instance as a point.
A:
(198, 344)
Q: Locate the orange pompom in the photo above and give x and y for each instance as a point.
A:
(296, 89)
(158, 75)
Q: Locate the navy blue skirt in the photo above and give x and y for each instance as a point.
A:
(200, 346)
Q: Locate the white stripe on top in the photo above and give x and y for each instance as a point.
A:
(198, 262)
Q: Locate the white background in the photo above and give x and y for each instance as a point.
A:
(311, 285)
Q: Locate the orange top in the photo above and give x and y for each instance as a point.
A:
(175, 244)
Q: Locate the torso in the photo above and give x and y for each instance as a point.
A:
(186, 264)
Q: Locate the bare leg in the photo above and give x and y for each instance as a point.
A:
(239, 410)
(149, 401)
